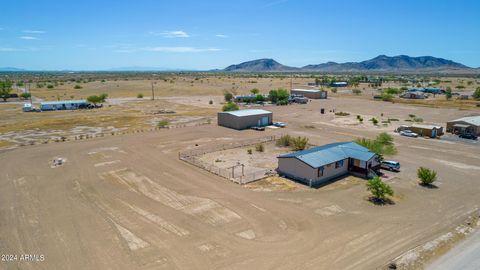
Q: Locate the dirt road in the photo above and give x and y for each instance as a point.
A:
(465, 256)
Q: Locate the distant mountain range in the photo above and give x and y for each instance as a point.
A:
(381, 63)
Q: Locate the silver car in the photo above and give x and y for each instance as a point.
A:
(390, 165)
(408, 133)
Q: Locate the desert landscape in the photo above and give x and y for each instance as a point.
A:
(124, 200)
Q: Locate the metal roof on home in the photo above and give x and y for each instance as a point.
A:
(473, 120)
(307, 90)
(248, 112)
(330, 153)
(426, 126)
(60, 102)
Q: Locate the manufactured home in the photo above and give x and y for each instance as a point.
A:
(63, 105)
(318, 165)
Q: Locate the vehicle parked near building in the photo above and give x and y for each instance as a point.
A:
(408, 133)
(468, 136)
(390, 165)
(279, 124)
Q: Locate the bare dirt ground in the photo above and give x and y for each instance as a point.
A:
(127, 202)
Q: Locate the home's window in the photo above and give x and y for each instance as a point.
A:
(320, 171)
(339, 164)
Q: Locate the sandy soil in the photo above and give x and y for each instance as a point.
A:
(127, 202)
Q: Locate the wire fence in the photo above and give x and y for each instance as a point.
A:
(235, 173)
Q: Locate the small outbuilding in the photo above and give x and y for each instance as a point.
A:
(310, 93)
(243, 119)
(424, 130)
(465, 125)
(339, 84)
(320, 164)
(63, 105)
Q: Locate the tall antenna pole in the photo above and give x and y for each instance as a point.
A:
(153, 93)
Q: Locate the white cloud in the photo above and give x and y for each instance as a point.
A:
(8, 49)
(172, 34)
(123, 51)
(28, 38)
(221, 36)
(181, 49)
(34, 31)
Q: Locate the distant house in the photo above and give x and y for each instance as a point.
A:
(320, 164)
(427, 90)
(63, 105)
(465, 125)
(245, 98)
(339, 84)
(413, 95)
(243, 119)
(310, 93)
(27, 107)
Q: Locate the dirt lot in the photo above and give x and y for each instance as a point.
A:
(127, 202)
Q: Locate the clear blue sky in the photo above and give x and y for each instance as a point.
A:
(205, 34)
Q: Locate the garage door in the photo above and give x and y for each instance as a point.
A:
(265, 121)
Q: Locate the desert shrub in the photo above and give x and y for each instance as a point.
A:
(384, 138)
(139, 95)
(282, 102)
(299, 143)
(387, 97)
(228, 96)
(230, 106)
(476, 94)
(163, 123)
(254, 91)
(25, 95)
(417, 119)
(357, 91)
(77, 86)
(379, 189)
(426, 176)
(342, 114)
(284, 140)
(210, 102)
(259, 148)
(334, 90)
(50, 86)
(249, 151)
(374, 121)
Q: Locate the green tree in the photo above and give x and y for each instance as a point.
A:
(228, 96)
(25, 95)
(273, 96)
(97, 99)
(379, 189)
(283, 94)
(5, 89)
(254, 91)
(426, 176)
(476, 94)
(260, 98)
(448, 93)
(230, 106)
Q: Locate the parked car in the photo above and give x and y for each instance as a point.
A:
(408, 133)
(468, 136)
(279, 124)
(390, 165)
(257, 128)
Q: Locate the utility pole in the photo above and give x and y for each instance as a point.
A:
(153, 93)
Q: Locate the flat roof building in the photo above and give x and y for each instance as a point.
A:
(243, 119)
(465, 125)
(310, 93)
(320, 164)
